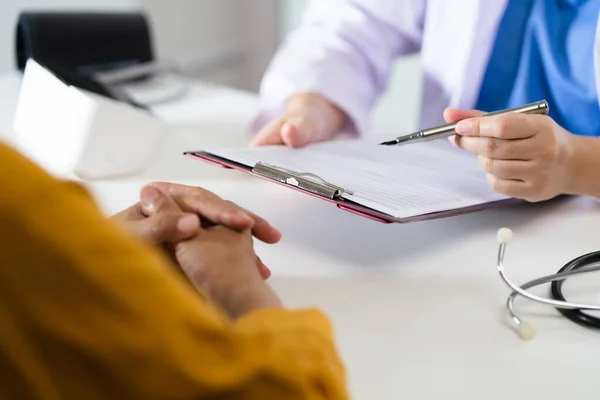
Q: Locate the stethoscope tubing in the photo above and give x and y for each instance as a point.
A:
(539, 299)
(586, 263)
(559, 277)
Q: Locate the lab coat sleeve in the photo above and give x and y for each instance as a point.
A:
(344, 50)
(88, 312)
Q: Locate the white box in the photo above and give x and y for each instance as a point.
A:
(69, 131)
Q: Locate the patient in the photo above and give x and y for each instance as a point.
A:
(89, 308)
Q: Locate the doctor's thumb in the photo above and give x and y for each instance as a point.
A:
(454, 114)
(300, 131)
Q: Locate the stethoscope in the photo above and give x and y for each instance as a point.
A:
(573, 311)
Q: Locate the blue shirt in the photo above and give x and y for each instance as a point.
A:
(544, 50)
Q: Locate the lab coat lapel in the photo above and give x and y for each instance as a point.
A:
(479, 34)
(457, 42)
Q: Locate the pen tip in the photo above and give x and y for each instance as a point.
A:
(389, 143)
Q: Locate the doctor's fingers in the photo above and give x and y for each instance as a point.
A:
(270, 134)
(510, 187)
(300, 129)
(295, 129)
(518, 149)
(508, 169)
(506, 126)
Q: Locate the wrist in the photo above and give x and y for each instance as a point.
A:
(240, 297)
(583, 166)
(248, 298)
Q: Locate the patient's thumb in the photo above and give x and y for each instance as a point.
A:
(154, 201)
(168, 227)
(166, 222)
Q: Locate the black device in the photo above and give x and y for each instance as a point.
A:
(77, 45)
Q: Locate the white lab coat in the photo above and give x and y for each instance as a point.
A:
(345, 49)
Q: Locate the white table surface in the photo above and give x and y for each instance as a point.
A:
(418, 308)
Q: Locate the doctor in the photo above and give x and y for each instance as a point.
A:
(482, 55)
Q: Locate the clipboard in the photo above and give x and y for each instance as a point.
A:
(313, 185)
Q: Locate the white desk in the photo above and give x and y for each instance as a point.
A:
(418, 308)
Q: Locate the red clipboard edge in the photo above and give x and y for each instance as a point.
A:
(347, 205)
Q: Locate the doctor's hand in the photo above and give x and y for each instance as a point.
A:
(308, 118)
(525, 156)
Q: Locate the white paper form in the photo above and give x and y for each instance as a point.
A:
(402, 181)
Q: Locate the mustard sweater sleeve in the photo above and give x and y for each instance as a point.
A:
(87, 312)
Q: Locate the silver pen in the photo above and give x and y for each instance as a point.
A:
(425, 135)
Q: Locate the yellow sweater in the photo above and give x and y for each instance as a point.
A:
(87, 312)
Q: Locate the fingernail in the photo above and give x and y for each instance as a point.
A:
(464, 127)
(187, 223)
(149, 195)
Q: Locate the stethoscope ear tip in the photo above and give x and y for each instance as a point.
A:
(527, 331)
(504, 235)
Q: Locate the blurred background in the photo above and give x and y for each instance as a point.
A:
(242, 35)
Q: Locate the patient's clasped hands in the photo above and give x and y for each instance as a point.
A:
(210, 240)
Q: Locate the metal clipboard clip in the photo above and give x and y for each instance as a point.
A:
(302, 180)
